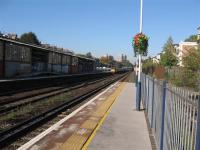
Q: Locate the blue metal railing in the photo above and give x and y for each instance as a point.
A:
(173, 114)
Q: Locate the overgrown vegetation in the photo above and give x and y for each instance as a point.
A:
(33, 109)
(186, 76)
(189, 74)
(192, 38)
(30, 38)
(168, 57)
(148, 66)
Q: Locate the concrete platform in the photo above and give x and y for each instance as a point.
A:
(76, 129)
(108, 121)
(124, 128)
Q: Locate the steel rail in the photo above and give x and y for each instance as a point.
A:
(7, 100)
(4, 109)
(12, 134)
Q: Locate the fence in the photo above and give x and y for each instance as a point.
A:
(172, 113)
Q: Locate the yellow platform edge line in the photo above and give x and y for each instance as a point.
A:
(89, 140)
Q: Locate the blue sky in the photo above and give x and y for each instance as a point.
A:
(101, 26)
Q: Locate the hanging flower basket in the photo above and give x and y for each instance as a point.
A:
(140, 44)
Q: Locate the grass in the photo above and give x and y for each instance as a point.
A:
(35, 108)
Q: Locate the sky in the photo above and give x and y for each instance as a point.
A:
(101, 26)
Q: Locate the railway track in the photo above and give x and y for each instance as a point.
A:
(15, 132)
(45, 87)
(7, 106)
(10, 87)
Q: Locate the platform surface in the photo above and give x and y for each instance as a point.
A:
(124, 128)
(108, 121)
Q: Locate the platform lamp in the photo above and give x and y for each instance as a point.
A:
(198, 35)
(140, 46)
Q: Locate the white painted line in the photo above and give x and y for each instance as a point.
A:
(57, 125)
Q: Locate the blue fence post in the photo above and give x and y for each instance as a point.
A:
(198, 126)
(145, 92)
(147, 96)
(138, 96)
(152, 103)
(138, 93)
(163, 115)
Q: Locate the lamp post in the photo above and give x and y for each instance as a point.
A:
(138, 97)
(140, 46)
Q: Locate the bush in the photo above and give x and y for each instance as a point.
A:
(185, 78)
(159, 72)
(148, 67)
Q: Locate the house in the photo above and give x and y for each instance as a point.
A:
(183, 49)
(198, 34)
(156, 59)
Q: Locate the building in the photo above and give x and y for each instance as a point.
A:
(198, 34)
(123, 58)
(12, 36)
(156, 59)
(19, 59)
(183, 49)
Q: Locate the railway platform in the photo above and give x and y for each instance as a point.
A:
(124, 127)
(107, 121)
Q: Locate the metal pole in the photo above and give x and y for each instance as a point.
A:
(163, 115)
(152, 105)
(139, 69)
(198, 126)
(141, 15)
(138, 99)
(141, 25)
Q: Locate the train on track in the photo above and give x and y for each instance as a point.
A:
(113, 69)
(19, 59)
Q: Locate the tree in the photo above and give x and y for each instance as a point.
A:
(189, 75)
(169, 46)
(108, 60)
(148, 66)
(89, 55)
(104, 60)
(192, 38)
(168, 58)
(30, 38)
(126, 63)
(191, 61)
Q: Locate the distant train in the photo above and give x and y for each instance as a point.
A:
(114, 70)
(123, 69)
(20, 59)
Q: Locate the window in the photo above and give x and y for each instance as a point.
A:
(68, 60)
(74, 61)
(50, 58)
(53, 58)
(59, 58)
(17, 53)
(56, 58)
(64, 59)
(24, 54)
(8, 54)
